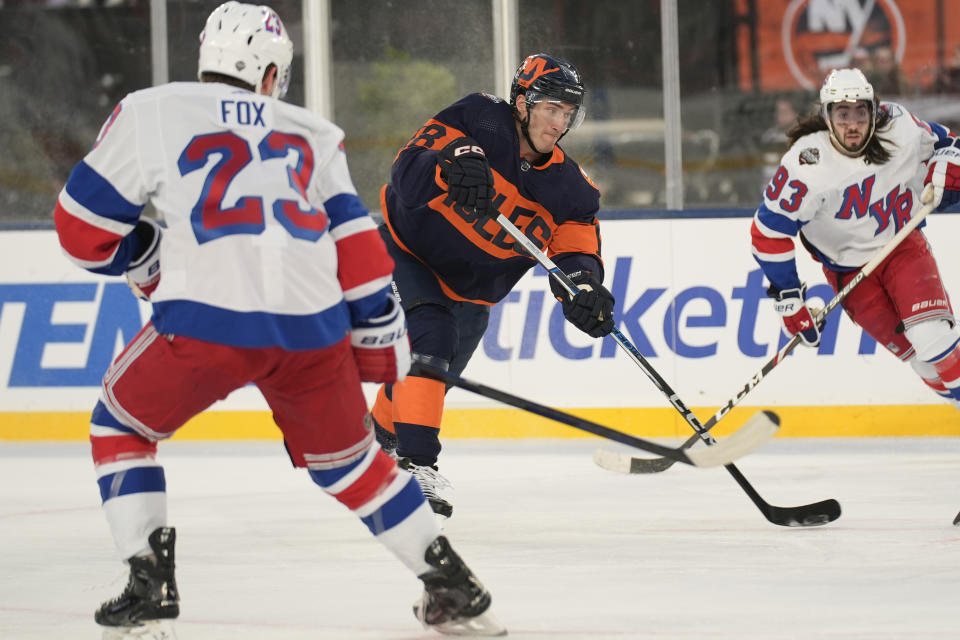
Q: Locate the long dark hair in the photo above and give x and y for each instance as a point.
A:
(875, 152)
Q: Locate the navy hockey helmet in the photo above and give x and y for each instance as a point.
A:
(544, 77)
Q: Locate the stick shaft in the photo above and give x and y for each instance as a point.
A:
(781, 355)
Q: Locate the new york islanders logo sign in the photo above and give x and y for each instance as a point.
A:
(819, 35)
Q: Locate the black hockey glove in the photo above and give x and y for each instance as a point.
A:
(464, 167)
(591, 310)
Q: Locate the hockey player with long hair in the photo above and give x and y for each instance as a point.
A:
(854, 174)
(475, 159)
(269, 271)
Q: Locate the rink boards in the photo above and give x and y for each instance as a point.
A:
(690, 298)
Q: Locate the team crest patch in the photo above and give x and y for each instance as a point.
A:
(810, 156)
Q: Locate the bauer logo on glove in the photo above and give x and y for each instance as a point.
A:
(380, 345)
(795, 314)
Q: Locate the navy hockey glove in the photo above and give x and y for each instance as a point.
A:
(464, 167)
(591, 310)
(143, 273)
(795, 314)
(380, 345)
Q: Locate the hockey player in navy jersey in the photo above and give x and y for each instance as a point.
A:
(854, 174)
(477, 158)
(268, 271)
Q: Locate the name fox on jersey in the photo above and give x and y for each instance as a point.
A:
(242, 112)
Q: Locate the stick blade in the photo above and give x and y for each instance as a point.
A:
(625, 463)
(754, 432)
(809, 515)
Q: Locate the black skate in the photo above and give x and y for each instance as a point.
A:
(151, 593)
(431, 484)
(386, 440)
(454, 602)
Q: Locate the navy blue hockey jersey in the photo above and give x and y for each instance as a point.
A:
(553, 203)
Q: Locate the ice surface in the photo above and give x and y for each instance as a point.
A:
(568, 550)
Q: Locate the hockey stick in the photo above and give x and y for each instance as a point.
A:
(760, 428)
(821, 513)
(628, 464)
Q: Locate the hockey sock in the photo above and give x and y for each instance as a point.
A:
(387, 500)
(417, 411)
(132, 484)
(382, 411)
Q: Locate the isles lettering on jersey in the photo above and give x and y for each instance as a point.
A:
(243, 113)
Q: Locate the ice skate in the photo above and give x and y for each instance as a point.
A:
(432, 484)
(151, 593)
(454, 602)
(152, 630)
(386, 440)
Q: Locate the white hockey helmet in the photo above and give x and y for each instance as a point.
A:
(848, 85)
(242, 40)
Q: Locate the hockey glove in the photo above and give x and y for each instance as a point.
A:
(464, 167)
(942, 184)
(795, 314)
(591, 310)
(381, 347)
(143, 273)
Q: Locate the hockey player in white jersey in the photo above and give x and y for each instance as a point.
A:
(853, 176)
(268, 271)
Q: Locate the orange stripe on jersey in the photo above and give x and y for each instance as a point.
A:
(447, 291)
(530, 217)
(418, 401)
(556, 157)
(576, 237)
(433, 135)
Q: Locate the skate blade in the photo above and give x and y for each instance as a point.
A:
(152, 630)
(485, 624)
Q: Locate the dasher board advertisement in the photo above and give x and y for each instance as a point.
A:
(689, 296)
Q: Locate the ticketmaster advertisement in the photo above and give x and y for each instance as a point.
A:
(689, 297)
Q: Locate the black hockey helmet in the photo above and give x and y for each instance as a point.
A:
(544, 77)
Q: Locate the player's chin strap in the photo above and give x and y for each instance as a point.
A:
(525, 129)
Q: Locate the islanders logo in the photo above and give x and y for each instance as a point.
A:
(819, 35)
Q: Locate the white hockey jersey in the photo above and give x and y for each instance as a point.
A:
(846, 208)
(266, 242)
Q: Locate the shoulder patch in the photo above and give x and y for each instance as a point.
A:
(894, 109)
(491, 97)
(810, 155)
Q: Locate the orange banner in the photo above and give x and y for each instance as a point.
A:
(903, 45)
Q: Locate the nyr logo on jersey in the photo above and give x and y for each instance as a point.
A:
(858, 202)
